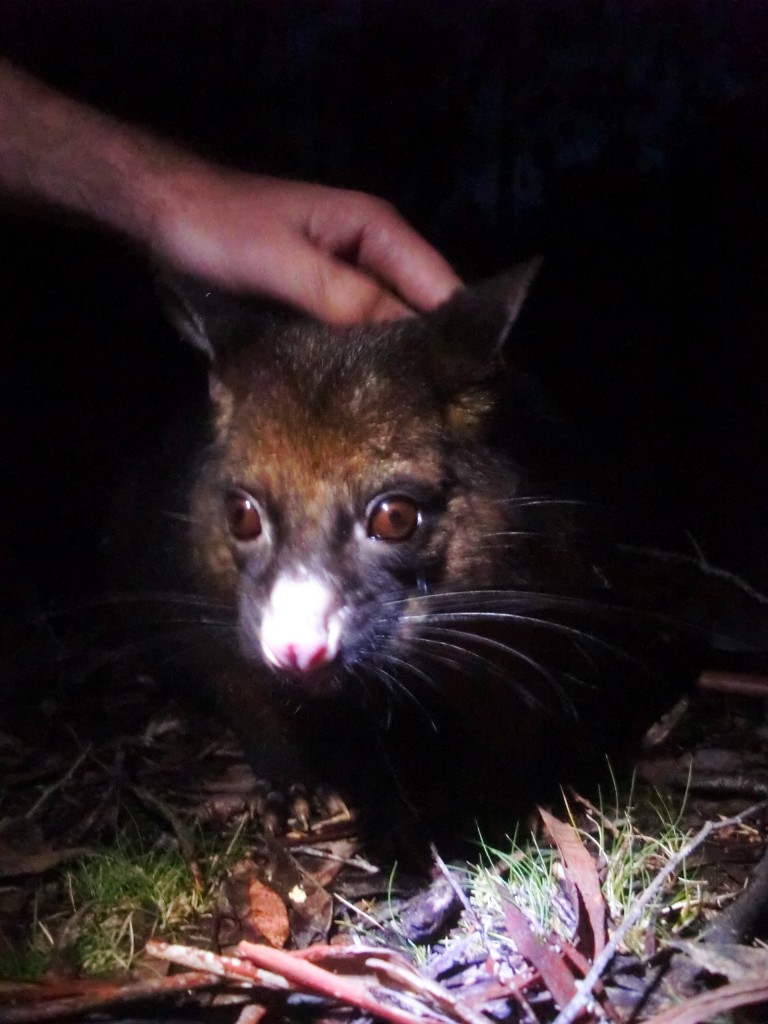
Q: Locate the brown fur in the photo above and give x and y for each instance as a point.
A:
(315, 427)
(314, 423)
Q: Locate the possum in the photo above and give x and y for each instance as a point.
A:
(384, 549)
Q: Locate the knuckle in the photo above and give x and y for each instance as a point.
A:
(375, 207)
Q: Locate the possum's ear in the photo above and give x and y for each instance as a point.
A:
(187, 302)
(468, 335)
(497, 304)
(212, 320)
(191, 307)
(220, 325)
(472, 327)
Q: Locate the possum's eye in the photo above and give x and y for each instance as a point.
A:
(243, 516)
(393, 519)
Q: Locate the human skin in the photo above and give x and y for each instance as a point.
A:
(341, 256)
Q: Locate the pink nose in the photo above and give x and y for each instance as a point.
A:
(299, 657)
(301, 624)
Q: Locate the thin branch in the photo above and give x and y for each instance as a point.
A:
(461, 896)
(102, 995)
(745, 684)
(427, 989)
(586, 987)
(50, 790)
(232, 967)
(309, 977)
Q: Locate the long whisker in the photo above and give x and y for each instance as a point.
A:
(487, 603)
(397, 686)
(463, 655)
(528, 501)
(491, 597)
(487, 665)
(375, 668)
(512, 652)
(562, 628)
(413, 670)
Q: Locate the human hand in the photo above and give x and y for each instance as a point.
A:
(342, 256)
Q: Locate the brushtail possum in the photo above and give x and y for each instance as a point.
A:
(390, 583)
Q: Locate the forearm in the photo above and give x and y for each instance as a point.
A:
(63, 153)
(341, 256)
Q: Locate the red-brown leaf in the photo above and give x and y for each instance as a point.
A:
(554, 972)
(267, 913)
(581, 869)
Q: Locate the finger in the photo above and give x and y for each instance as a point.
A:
(387, 246)
(333, 291)
(401, 258)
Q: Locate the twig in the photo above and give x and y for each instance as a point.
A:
(50, 790)
(344, 956)
(104, 995)
(357, 862)
(708, 1005)
(426, 988)
(585, 988)
(251, 1014)
(742, 683)
(368, 918)
(307, 976)
(232, 967)
(461, 896)
(183, 838)
(595, 812)
(277, 969)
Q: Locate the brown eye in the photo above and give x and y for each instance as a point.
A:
(243, 517)
(393, 519)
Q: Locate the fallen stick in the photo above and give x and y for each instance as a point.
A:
(279, 970)
(214, 963)
(307, 976)
(585, 988)
(745, 684)
(105, 995)
(708, 1005)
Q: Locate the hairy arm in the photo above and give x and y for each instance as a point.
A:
(342, 256)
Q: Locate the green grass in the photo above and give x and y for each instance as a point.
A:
(26, 959)
(110, 903)
(24, 962)
(526, 875)
(631, 858)
(123, 896)
(628, 859)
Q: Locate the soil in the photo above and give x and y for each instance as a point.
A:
(91, 757)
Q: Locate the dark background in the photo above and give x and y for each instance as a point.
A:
(628, 141)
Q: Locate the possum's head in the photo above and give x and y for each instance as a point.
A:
(349, 472)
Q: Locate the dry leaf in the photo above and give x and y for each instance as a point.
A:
(554, 972)
(582, 872)
(709, 1005)
(730, 960)
(267, 914)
